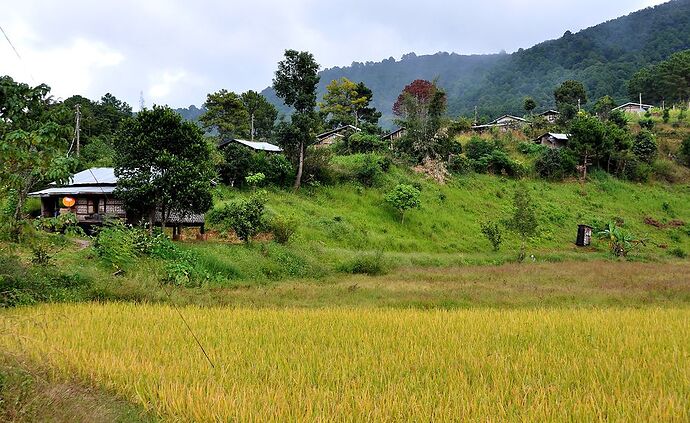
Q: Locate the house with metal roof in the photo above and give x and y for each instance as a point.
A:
(254, 145)
(553, 140)
(90, 195)
(504, 123)
(550, 116)
(334, 135)
(631, 107)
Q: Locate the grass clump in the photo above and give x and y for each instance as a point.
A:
(372, 264)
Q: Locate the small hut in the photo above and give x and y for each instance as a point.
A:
(584, 235)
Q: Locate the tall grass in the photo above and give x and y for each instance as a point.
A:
(370, 364)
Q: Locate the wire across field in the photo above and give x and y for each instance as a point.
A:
(358, 364)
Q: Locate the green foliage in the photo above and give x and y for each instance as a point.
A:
(488, 157)
(459, 165)
(667, 80)
(529, 104)
(678, 252)
(255, 179)
(603, 107)
(362, 142)
(492, 232)
(555, 164)
(666, 116)
(367, 169)
(262, 114)
(524, 219)
(620, 242)
(163, 165)
(532, 148)
(570, 93)
(645, 147)
(371, 264)
(120, 245)
(65, 223)
(347, 103)
(283, 228)
(684, 151)
(244, 216)
(404, 197)
(646, 123)
(226, 115)
(618, 118)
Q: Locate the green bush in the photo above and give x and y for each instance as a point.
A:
(645, 147)
(531, 148)
(646, 123)
(684, 151)
(459, 165)
(555, 164)
(371, 264)
(678, 252)
(244, 216)
(283, 228)
(366, 169)
(492, 232)
(477, 148)
(362, 142)
(404, 197)
(120, 245)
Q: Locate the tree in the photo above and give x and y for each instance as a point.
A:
(524, 220)
(226, 114)
(603, 107)
(644, 146)
(163, 164)
(295, 82)
(420, 108)
(587, 138)
(245, 216)
(529, 105)
(668, 80)
(492, 232)
(404, 197)
(684, 152)
(262, 114)
(347, 103)
(570, 93)
(32, 145)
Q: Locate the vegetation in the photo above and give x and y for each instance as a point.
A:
(404, 197)
(665, 81)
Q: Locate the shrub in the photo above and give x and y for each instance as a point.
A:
(317, 167)
(621, 243)
(684, 151)
(666, 115)
(245, 217)
(278, 169)
(646, 123)
(65, 223)
(236, 165)
(555, 164)
(492, 232)
(637, 171)
(363, 168)
(478, 148)
(532, 148)
(362, 142)
(678, 252)
(255, 179)
(459, 165)
(120, 245)
(365, 264)
(404, 197)
(645, 147)
(283, 228)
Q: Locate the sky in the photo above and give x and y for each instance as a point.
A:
(175, 52)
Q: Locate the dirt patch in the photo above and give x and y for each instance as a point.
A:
(659, 225)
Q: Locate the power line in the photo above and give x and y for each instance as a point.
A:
(21, 59)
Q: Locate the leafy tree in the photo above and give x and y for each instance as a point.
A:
(555, 163)
(32, 145)
(529, 105)
(295, 82)
(361, 142)
(404, 197)
(603, 107)
(420, 108)
(668, 80)
(618, 118)
(262, 114)
(587, 139)
(645, 147)
(684, 152)
(245, 216)
(492, 232)
(569, 93)
(163, 165)
(347, 103)
(226, 114)
(666, 115)
(524, 219)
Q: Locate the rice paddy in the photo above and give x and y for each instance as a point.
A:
(366, 364)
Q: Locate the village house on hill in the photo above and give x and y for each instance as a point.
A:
(90, 195)
(334, 135)
(552, 140)
(504, 123)
(631, 107)
(254, 145)
(550, 116)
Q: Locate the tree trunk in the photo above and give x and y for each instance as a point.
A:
(300, 167)
(152, 215)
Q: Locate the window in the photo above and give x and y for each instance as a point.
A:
(92, 206)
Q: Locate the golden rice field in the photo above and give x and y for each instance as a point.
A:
(369, 364)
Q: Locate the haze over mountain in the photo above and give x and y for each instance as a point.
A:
(603, 57)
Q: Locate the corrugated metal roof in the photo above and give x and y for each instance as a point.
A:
(255, 145)
(74, 190)
(93, 176)
(562, 137)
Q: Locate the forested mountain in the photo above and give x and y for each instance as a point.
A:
(603, 57)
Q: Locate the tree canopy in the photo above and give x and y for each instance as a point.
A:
(668, 80)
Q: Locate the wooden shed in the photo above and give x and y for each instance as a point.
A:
(552, 140)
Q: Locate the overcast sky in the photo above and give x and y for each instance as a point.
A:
(176, 52)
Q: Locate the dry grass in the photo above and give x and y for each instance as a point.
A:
(369, 364)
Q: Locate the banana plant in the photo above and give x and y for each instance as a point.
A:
(620, 242)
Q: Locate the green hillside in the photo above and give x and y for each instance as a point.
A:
(603, 57)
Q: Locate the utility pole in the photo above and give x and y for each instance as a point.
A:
(252, 127)
(578, 106)
(475, 116)
(77, 130)
(141, 101)
(640, 101)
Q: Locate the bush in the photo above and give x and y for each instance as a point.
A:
(65, 223)
(666, 115)
(365, 264)
(555, 164)
(363, 168)
(283, 228)
(278, 169)
(404, 197)
(678, 252)
(646, 123)
(317, 167)
(645, 147)
(362, 142)
(245, 217)
(637, 171)
(684, 151)
(531, 148)
(459, 165)
(120, 245)
(493, 233)
(478, 148)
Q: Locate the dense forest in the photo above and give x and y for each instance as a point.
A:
(604, 58)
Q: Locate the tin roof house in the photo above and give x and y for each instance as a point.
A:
(553, 140)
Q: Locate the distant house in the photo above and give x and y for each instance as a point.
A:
(550, 116)
(334, 135)
(553, 140)
(395, 135)
(631, 107)
(90, 195)
(504, 123)
(254, 145)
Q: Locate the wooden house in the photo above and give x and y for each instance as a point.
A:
(631, 107)
(334, 135)
(553, 140)
(550, 116)
(503, 123)
(393, 136)
(90, 195)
